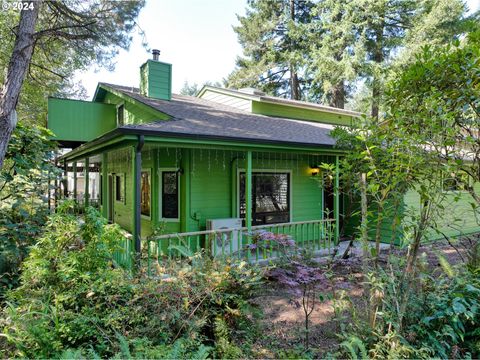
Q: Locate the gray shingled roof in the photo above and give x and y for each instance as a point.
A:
(193, 116)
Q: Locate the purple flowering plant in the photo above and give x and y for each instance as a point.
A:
(267, 240)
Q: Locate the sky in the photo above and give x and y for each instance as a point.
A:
(195, 36)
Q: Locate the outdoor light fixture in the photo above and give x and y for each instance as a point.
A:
(179, 171)
(315, 170)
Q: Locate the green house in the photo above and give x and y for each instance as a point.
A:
(225, 159)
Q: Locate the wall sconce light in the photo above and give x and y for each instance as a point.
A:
(315, 170)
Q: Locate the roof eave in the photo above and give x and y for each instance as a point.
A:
(234, 140)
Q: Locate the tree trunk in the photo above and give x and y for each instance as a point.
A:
(378, 59)
(364, 216)
(294, 84)
(338, 95)
(378, 231)
(395, 222)
(17, 68)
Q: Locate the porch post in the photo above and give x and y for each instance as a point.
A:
(87, 174)
(55, 184)
(336, 205)
(104, 186)
(65, 179)
(185, 191)
(55, 191)
(49, 190)
(154, 189)
(75, 182)
(248, 191)
(136, 189)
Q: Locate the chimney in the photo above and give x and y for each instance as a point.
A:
(156, 78)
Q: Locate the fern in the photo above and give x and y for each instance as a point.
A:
(92, 354)
(124, 347)
(177, 350)
(225, 349)
(352, 344)
(72, 354)
(202, 353)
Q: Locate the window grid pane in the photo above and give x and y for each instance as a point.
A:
(270, 198)
(145, 194)
(169, 195)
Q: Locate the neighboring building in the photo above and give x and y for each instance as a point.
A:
(181, 163)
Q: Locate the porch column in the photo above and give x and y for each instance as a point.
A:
(55, 190)
(75, 182)
(136, 189)
(185, 191)
(65, 179)
(49, 190)
(336, 204)
(154, 189)
(86, 195)
(248, 191)
(104, 186)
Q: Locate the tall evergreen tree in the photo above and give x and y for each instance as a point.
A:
(330, 48)
(389, 28)
(335, 52)
(275, 49)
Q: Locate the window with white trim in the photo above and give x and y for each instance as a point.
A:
(169, 195)
(145, 193)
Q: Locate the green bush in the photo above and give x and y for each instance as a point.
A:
(442, 319)
(74, 302)
(23, 205)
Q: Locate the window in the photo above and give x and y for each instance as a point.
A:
(169, 195)
(120, 188)
(270, 198)
(145, 190)
(121, 115)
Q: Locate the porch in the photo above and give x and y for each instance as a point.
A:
(168, 193)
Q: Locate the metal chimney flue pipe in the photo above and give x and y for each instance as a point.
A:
(156, 54)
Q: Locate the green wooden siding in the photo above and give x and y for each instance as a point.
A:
(456, 219)
(120, 162)
(75, 120)
(213, 179)
(156, 80)
(293, 112)
(135, 113)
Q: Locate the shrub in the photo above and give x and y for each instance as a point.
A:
(23, 206)
(74, 302)
(442, 319)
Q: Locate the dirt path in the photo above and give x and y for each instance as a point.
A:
(282, 325)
